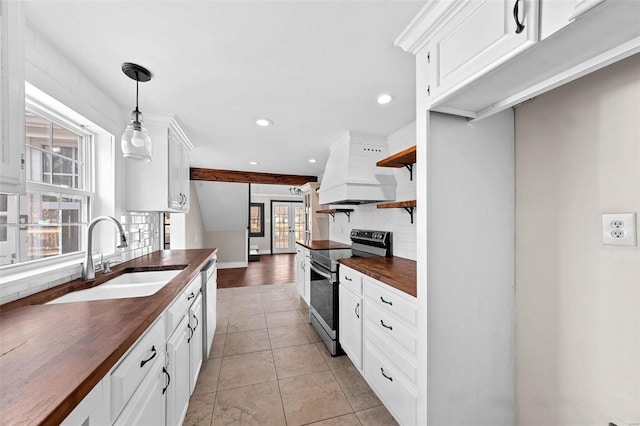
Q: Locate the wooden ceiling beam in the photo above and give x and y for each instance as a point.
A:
(217, 175)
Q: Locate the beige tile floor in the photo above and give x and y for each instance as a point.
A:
(268, 367)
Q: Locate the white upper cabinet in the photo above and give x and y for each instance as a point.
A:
(471, 62)
(12, 174)
(479, 36)
(163, 183)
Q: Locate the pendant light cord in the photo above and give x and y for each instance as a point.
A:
(137, 84)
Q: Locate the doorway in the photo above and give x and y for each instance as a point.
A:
(287, 225)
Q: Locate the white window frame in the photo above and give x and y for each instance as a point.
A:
(36, 107)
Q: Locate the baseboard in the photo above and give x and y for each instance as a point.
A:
(229, 265)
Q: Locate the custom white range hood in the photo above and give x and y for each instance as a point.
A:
(351, 175)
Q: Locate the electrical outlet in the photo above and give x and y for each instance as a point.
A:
(619, 229)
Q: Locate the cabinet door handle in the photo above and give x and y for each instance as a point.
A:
(357, 309)
(519, 25)
(190, 333)
(347, 278)
(197, 322)
(164, 370)
(385, 301)
(385, 376)
(385, 325)
(144, 361)
(191, 296)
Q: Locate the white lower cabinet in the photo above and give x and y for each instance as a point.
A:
(195, 342)
(377, 330)
(177, 366)
(152, 382)
(303, 273)
(147, 405)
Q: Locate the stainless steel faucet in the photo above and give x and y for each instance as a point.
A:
(88, 268)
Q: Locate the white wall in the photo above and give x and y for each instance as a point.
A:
(224, 208)
(577, 301)
(398, 221)
(265, 194)
(470, 271)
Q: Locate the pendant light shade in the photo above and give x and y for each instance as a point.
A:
(135, 142)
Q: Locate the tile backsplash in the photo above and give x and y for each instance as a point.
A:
(143, 233)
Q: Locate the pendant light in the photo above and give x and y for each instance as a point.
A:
(136, 143)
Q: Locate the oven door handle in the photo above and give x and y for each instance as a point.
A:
(320, 272)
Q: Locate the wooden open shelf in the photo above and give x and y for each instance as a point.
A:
(408, 205)
(406, 158)
(401, 159)
(333, 212)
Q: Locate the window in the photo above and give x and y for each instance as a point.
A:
(49, 220)
(256, 220)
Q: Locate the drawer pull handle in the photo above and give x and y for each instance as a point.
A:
(385, 376)
(347, 278)
(357, 310)
(519, 25)
(385, 325)
(191, 296)
(385, 301)
(164, 370)
(144, 361)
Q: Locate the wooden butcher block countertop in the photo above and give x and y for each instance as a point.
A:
(397, 272)
(323, 244)
(51, 356)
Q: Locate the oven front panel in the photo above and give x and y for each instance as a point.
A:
(324, 297)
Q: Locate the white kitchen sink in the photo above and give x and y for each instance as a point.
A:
(132, 284)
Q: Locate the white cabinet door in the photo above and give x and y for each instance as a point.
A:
(300, 270)
(195, 342)
(178, 359)
(479, 37)
(307, 276)
(176, 194)
(147, 405)
(12, 137)
(350, 324)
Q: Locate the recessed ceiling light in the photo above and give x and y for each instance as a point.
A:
(264, 122)
(253, 163)
(312, 160)
(384, 99)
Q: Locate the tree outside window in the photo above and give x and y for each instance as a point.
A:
(256, 220)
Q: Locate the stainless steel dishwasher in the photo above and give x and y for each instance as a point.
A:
(209, 286)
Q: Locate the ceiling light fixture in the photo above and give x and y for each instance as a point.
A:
(264, 122)
(312, 160)
(383, 99)
(253, 163)
(135, 142)
(295, 191)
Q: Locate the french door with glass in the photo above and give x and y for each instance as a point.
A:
(287, 225)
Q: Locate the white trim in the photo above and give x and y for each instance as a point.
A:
(171, 121)
(609, 57)
(229, 265)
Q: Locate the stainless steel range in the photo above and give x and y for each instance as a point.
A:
(323, 312)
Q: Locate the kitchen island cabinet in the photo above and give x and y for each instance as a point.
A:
(46, 373)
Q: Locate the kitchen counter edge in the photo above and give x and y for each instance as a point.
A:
(397, 272)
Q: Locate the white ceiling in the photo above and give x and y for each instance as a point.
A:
(314, 68)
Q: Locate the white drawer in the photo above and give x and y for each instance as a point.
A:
(390, 349)
(177, 309)
(390, 300)
(126, 377)
(351, 279)
(391, 327)
(398, 396)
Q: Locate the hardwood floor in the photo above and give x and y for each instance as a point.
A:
(270, 269)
